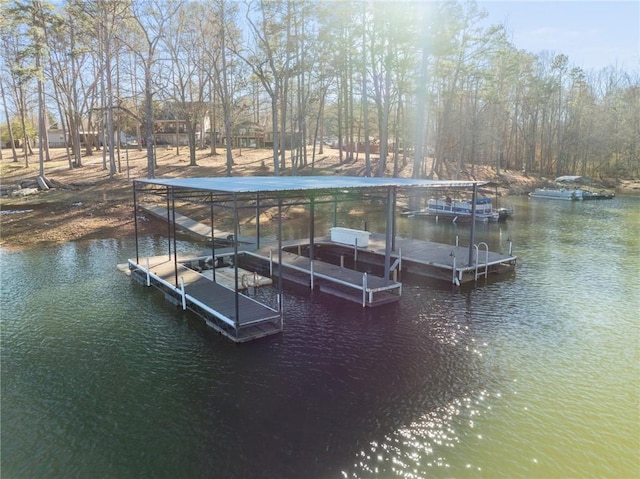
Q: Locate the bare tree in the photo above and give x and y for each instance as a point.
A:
(152, 18)
(189, 83)
(225, 33)
(323, 68)
(268, 57)
(9, 127)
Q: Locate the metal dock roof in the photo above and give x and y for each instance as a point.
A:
(273, 184)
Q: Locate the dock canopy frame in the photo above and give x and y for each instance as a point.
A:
(278, 189)
(276, 186)
(261, 188)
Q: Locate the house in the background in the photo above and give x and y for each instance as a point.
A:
(291, 140)
(56, 138)
(170, 127)
(246, 134)
(88, 135)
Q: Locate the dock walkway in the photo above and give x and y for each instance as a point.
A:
(235, 315)
(362, 288)
(443, 261)
(193, 227)
(418, 257)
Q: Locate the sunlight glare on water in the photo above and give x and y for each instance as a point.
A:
(535, 375)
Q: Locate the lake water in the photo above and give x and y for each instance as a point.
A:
(537, 375)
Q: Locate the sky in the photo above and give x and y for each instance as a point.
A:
(593, 34)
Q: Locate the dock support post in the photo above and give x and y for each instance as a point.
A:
(472, 238)
(364, 290)
(213, 241)
(148, 275)
(258, 220)
(394, 223)
(312, 231)
(389, 234)
(169, 224)
(135, 220)
(271, 263)
(311, 269)
(175, 239)
(280, 244)
(184, 297)
(453, 278)
(510, 246)
(355, 251)
(236, 233)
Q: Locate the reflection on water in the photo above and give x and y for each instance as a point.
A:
(532, 376)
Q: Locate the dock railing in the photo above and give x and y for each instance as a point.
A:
(180, 291)
(215, 306)
(312, 271)
(476, 247)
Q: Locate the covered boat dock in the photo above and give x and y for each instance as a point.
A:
(193, 284)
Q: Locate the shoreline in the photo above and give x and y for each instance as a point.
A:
(87, 204)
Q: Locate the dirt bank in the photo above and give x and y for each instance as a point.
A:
(87, 204)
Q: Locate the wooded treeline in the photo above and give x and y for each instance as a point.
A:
(418, 80)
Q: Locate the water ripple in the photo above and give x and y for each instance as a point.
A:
(533, 376)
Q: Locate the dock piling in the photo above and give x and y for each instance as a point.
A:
(364, 290)
(453, 266)
(182, 293)
(472, 235)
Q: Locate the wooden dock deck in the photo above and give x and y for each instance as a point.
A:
(235, 315)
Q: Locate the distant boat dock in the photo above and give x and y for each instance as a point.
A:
(359, 266)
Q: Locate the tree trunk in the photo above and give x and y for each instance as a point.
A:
(6, 114)
(148, 123)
